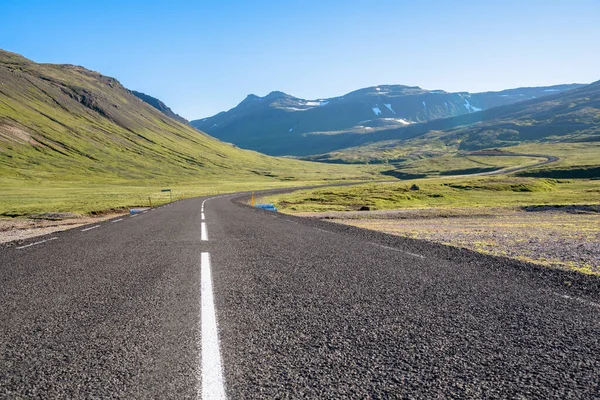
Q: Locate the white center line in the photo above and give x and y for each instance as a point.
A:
(203, 233)
(93, 227)
(212, 381)
(134, 215)
(144, 212)
(202, 214)
(33, 244)
(117, 220)
(398, 250)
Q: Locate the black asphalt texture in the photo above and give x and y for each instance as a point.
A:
(306, 309)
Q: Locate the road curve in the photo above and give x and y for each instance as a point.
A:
(300, 309)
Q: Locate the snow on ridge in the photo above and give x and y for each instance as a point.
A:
(315, 103)
(424, 105)
(376, 110)
(292, 128)
(378, 89)
(389, 106)
(551, 90)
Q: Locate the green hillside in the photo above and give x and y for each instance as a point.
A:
(72, 139)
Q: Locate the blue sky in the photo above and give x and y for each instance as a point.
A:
(202, 57)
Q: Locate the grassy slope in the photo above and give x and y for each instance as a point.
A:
(443, 193)
(74, 140)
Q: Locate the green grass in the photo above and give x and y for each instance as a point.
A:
(442, 193)
(82, 198)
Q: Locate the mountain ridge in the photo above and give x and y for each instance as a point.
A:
(279, 124)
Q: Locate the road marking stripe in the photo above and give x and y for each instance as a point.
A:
(398, 250)
(203, 233)
(202, 215)
(213, 383)
(134, 215)
(93, 227)
(579, 299)
(144, 212)
(117, 220)
(33, 244)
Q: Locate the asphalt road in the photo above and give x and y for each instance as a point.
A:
(259, 305)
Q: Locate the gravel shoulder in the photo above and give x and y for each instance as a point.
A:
(566, 237)
(16, 229)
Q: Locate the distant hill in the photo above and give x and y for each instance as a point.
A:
(280, 124)
(159, 105)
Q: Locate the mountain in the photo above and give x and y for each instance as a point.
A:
(159, 105)
(562, 124)
(66, 126)
(280, 124)
(571, 116)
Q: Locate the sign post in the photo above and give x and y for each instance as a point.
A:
(170, 192)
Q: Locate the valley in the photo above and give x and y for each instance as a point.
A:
(299, 200)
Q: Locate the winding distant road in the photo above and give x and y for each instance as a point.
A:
(210, 299)
(548, 160)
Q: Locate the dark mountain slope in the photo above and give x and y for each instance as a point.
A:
(160, 106)
(282, 124)
(569, 116)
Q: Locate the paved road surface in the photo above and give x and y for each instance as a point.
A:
(302, 309)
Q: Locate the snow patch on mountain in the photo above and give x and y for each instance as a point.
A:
(399, 120)
(314, 103)
(424, 105)
(471, 108)
(376, 110)
(297, 109)
(389, 107)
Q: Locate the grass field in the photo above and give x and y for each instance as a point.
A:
(443, 193)
(428, 156)
(19, 198)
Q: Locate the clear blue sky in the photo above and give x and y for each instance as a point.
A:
(202, 57)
